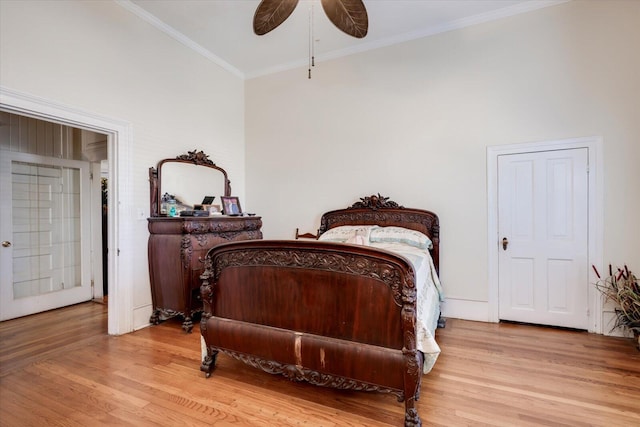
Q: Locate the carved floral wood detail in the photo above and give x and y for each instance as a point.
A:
(203, 227)
(377, 217)
(197, 157)
(186, 250)
(297, 373)
(375, 202)
(402, 284)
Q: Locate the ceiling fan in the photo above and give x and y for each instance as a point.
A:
(349, 16)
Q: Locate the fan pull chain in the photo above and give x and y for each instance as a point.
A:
(312, 59)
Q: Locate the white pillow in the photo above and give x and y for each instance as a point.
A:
(343, 233)
(400, 235)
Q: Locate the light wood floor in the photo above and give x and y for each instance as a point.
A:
(61, 369)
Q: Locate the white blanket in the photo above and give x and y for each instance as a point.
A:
(428, 298)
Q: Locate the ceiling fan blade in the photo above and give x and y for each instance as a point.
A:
(271, 13)
(349, 16)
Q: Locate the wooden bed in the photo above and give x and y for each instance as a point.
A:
(333, 314)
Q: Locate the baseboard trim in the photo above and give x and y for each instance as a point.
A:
(141, 316)
(465, 309)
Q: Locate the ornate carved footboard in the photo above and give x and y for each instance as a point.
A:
(334, 315)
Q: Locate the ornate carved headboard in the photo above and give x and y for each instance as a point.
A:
(379, 210)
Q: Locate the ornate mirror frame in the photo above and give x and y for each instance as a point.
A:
(198, 158)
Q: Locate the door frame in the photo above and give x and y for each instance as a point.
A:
(96, 230)
(595, 209)
(119, 149)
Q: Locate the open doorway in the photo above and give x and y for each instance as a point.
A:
(119, 146)
(53, 243)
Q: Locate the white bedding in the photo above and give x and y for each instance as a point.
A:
(428, 288)
(428, 298)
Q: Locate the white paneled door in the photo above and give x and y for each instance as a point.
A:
(543, 229)
(44, 257)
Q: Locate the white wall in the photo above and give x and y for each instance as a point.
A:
(413, 122)
(97, 57)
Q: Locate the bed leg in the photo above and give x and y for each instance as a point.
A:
(412, 380)
(442, 322)
(411, 417)
(209, 363)
(155, 317)
(187, 324)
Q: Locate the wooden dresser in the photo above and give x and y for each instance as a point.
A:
(178, 244)
(177, 248)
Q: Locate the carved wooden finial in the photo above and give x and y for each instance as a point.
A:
(375, 202)
(197, 157)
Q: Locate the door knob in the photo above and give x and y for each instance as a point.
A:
(6, 244)
(505, 242)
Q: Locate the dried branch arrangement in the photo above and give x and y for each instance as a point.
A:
(621, 286)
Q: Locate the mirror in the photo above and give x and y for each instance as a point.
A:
(190, 183)
(189, 177)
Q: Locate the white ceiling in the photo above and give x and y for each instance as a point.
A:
(222, 29)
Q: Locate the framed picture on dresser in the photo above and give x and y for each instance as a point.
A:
(231, 205)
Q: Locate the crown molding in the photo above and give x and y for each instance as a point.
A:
(506, 12)
(414, 35)
(177, 35)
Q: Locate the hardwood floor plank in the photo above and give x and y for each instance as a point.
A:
(37, 402)
(531, 396)
(17, 411)
(109, 394)
(487, 375)
(551, 382)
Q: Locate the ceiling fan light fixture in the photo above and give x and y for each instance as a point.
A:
(349, 16)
